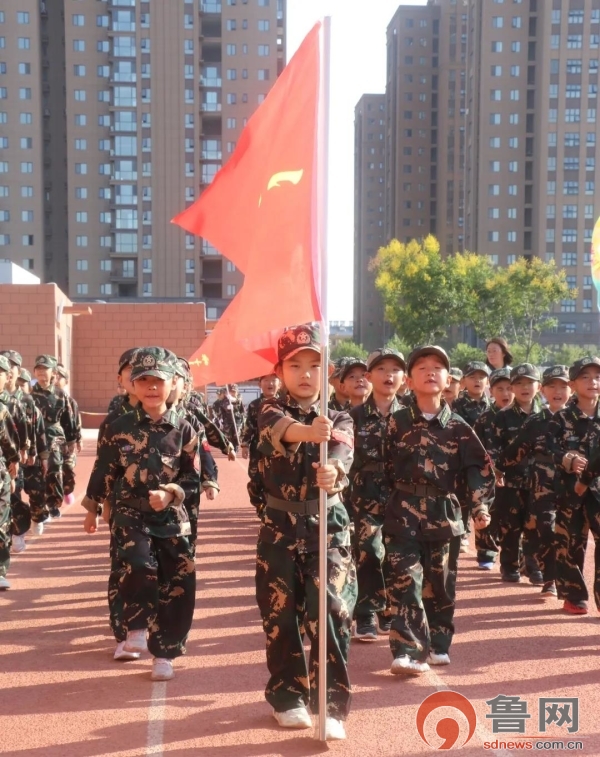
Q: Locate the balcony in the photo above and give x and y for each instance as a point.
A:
(120, 275)
(211, 107)
(210, 6)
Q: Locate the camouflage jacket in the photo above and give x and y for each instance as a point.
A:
(440, 453)
(8, 436)
(198, 399)
(137, 455)
(249, 435)
(504, 427)
(209, 472)
(223, 408)
(115, 403)
(335, 404)
(121, 408)
(531, 444)
(74, 407)
(288, 474)
(470, 409)
(33, 419)
(17, 413)
(59, 423)
(215, 437)
(483, 425)
(571, 430)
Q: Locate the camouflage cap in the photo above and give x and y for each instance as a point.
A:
(579, 365)
(45, 361)
(4, 364)
(62, 371)
(153, 361)
(427, 349)
(455, 374)
(24, 375)
(524, 370)
(555, 372)
(377, 356)
(127, 357)
(500, 374)
(476, 365)
(182, 368)
(14, 357)
(350, 364)
(338, 366)
(296, 339)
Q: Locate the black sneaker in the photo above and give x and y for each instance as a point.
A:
(385, 623)
(511, 576)
(549, 591)
(55, 513)
(366, 630)
(536, 578)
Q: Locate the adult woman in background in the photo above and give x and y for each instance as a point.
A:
(497, 353)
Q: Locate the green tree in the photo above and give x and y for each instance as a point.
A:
(567, 354)
(415, 287)
(463, 354)
(395, 343)
(347, 348)
(530, 289)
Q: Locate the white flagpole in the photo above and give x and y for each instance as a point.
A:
(322, 200)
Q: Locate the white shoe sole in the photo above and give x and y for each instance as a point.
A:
(296, 726)
(400, 671)
(162, 676)
(124, 656)
(17, 550)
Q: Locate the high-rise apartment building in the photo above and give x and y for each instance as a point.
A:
(118, 113)
(369, 155)
(491, 133)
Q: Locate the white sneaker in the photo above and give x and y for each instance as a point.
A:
(4, 583)
(436, 658)
(162, 669)
(298, 717)
(136, 641)
(121, 654)
(334, 730)
(18, 545)
(406, 666)
(464, 544)
(37, 528)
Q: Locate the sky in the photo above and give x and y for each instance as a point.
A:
(358, 54)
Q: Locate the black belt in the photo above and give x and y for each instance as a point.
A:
(420, 490)
(539, 458)
(143, 505)
(373, 468)
(307, 507)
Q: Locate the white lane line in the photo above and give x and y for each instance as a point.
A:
(156, 719)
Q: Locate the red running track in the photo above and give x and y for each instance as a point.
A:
(62, 695)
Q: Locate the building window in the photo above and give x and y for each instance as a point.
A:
(263, 51)
(231, 290)
(27, 240)
(106, 289)
(263, 25)
(567, 306)
(190, 290)
(511, 236)
(82, 265)
(26, 167)
(493, 236)
(78, 19)
(27, 216)
(147, 289)
(4, 240)
(190, 265)
(569, 259)
(82, 289)
(147, 265)
(497, 22)
(263, 74)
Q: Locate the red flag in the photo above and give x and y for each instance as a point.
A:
(221, 359)
(261, 210)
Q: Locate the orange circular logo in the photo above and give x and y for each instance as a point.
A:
(447, 729)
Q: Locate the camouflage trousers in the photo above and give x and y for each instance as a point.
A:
(232, 432)
(156, 581)
(539, 533)
(509, 519)
(369, 553)
(21, 513)
(422, 604)
(287, 592)
(5, 523)
(54, 478)
(575, 518)
(35, 486)
(68, 471)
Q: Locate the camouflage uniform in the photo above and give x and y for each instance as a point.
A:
(288, 560)
(115, 403)
(369, 492)
(425, 462)
(249, 439)
(70, 450)
(46, 496)
(9, 456)
(232, 426)
(137, 455)
(531, 444)
(571, 430)
(215, 437)
(469, 409)
(510, 510)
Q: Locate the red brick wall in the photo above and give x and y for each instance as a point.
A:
(28, 321)
(100, 338)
